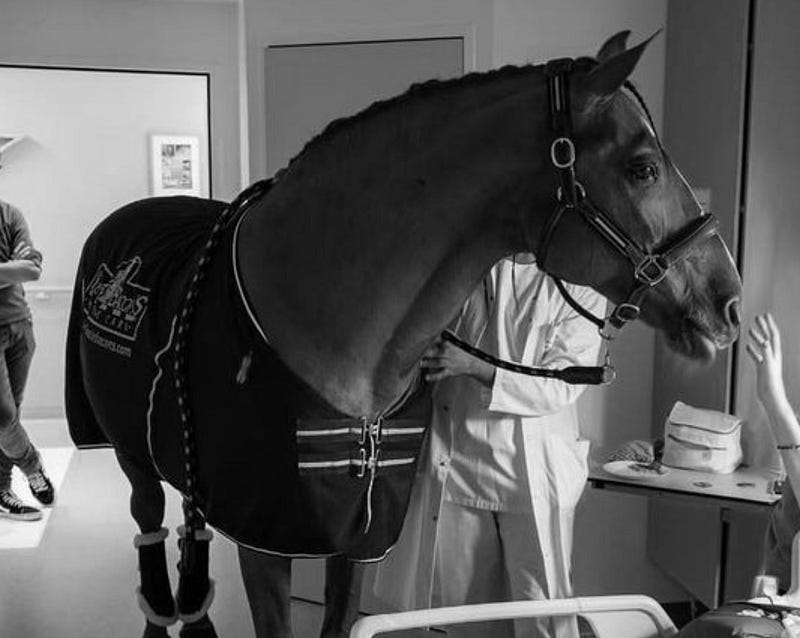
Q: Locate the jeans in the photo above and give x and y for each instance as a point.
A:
(16, 352)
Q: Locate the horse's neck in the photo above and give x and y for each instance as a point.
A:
(353, 270)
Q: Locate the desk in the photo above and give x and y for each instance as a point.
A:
(705, 530)
(746, 487)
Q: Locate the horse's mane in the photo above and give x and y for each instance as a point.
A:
(415, 92)
(436, 87)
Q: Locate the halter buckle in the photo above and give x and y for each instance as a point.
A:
(361, 463)
(562, 145)
(624, 313)
(580, 191)
(651, 270)
(372, 431)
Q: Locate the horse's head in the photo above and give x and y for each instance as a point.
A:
(686, 283)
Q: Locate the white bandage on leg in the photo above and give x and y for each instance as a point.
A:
(204, 534)
(151, 538)
(152, 616)
(146, 540)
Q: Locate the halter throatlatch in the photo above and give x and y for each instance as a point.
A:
(649, 268)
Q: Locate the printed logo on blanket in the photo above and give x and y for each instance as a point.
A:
(113, 302)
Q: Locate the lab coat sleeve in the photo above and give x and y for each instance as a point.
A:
(573, 341)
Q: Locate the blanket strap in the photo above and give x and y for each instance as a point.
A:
(194, 521)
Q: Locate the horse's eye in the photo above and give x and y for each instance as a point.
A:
(644, 173)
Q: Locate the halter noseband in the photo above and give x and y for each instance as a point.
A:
(649, 268)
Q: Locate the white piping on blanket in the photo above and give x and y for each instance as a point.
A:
(238, 280)
(314, 465)
(357, 431)
(151, 396)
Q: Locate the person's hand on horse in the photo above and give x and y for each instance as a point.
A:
(443, 360)
(764, 348)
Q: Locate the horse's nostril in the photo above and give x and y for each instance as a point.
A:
(732, 312)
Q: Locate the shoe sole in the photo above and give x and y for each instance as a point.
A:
(32, 516)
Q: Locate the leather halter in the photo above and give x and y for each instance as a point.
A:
(649, 267)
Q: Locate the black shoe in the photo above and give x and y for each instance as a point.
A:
(12, 507)
(42, 488)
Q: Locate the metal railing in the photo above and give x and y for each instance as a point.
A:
(632, 616)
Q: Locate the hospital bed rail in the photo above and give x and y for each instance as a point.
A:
(629, 616)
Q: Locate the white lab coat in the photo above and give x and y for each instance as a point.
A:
(555, 458)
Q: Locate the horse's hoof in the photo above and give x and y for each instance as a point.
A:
(154, 631)
(203, 628)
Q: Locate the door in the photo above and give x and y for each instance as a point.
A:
(308, 86)
(84, 151)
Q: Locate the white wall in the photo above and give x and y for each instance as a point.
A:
(85, 153)
(106, 34)
(302, 21)
(86, 150)
(140, 35)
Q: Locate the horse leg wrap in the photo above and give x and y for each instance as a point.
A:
(195, 589)
(154, 594)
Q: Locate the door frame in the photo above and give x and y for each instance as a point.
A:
(254, 81)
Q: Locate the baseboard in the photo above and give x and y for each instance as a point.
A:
(42, 412)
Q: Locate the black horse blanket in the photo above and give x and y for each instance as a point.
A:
(279, 470)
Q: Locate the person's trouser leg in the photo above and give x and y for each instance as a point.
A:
(6, 465)
(16, 353)
(524, 567)
(469, 568)
(343, 580)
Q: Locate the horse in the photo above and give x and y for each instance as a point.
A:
(262, 357)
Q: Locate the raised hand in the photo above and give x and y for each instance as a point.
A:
(764, 348)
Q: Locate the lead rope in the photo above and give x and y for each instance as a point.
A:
(194, 521)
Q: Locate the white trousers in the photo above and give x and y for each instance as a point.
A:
(486, 556)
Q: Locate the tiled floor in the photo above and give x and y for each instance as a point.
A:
(73, 574)
(15, 535)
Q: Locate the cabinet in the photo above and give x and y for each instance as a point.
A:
(733, 86)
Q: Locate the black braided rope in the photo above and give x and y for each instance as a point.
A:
(193, 519)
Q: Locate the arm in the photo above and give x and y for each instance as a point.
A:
(18, 271)
(573, 342)
(764, 348)
(443, 360)
(25, 263)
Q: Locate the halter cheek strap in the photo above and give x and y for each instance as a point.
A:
(649, 268)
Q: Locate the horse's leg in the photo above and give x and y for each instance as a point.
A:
(267, 580)
(195, 588)
(343, 580)
(147, 509)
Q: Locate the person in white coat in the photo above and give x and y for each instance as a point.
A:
(503, 467)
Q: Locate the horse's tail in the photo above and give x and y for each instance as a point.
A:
(81, 419)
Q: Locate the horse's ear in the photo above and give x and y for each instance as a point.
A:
(614, 45)
(612, 71)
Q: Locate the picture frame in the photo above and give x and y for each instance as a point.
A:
(174, 165)
(7, 140)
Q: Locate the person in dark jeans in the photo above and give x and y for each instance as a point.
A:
(19, 262)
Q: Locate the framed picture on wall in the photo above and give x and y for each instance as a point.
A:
(174, 165)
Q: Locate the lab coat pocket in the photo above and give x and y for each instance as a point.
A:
(569, 468)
